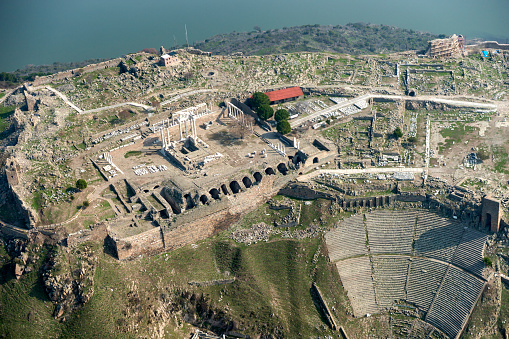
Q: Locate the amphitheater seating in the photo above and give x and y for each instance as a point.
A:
(432, 262)
(348, 240)
(436, 237)
(390, 232)
(424, 281)
(389, 277)
(454, 301)
(469, 254)
(355, 274)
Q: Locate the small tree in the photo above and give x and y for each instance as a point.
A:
(258, 99)
(81, 184)
(86, 203)
(281, 114)
(398, 133)
(283, 127)
(265, 112)
(483, 154)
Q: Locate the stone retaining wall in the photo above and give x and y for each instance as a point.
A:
(74, 72)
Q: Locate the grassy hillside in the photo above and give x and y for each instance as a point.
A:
(150, 296)
(358, 38)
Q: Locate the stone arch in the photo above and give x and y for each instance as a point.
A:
(204, 199)
(189, 201)
(224, 189)
(156, 187)
(247, 182)
(164, 214)
(235, 187)
(299, 159)
(173, 204)
(282, 169)
(487, 224)
(146, 191)
(214, 193)
(269, 171)
(315, 160)
(258, 177)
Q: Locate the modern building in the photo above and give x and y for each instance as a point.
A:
(169, 60)
(284, 95)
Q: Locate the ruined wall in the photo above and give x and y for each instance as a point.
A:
(197, 224)
(74, 72)
(486, 45)
(369, 202)
(144, 244)
(491, 214)
(9, 232)
(304, 191)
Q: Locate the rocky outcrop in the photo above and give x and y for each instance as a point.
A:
(69, 279)
(22, 257)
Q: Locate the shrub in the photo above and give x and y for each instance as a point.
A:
(483, 154)
(398, 133)
(81, 184)
(487, 261)
(86, 203)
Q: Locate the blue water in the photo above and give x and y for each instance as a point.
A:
(45, 31)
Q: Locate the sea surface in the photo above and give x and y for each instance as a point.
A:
(45, 31)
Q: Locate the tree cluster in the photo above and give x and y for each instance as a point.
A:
(260, 103)
(283, 126)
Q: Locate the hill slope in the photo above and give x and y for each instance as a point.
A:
(357, 38)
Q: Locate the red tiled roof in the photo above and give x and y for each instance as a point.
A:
(284, 94)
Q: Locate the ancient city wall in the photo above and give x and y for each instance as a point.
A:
(146, 243)
(73, 72)
(486, 45)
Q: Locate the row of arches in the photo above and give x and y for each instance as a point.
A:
(234, 187)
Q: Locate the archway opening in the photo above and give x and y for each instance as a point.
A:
(247, 182)
(189, 201)
(235, 187)
(164, 214)
(258, 177)
(156, 187)
(315, 160)
(174, 206)
(282, 169)
(214, 193)
(270, 171)
(224, 189)
(488, 220)
(204, 199)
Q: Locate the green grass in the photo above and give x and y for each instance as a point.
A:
(2, 95)
(5, 113)
(132, 154)
(500, 158)
(19, 298)
(456, 133)
(271, 293)
(37, 200)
